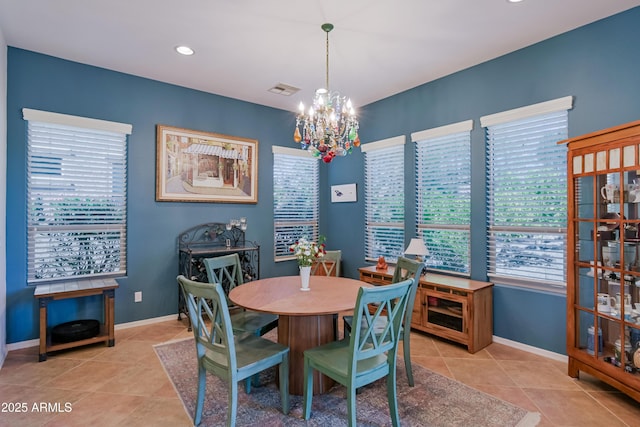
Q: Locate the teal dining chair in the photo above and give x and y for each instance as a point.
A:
(227, 271)
(230, 357)
(328, 264)
(368, 354)
(405, 268)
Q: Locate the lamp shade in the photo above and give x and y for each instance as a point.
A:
(416, 247)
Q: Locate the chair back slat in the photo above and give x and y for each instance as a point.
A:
(408, 269)
(328, 264)
(390, 301)
(210, 320)
(225, 270)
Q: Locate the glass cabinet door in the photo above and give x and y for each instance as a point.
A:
(445, 312)
(607, 267)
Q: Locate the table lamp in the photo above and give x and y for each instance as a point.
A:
(418, 248)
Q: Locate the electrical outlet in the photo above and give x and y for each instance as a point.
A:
(137, 297)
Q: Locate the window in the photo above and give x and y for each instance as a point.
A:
(295, 199)
(384, 198)
(77, 197)
(526, 194)
(443, 195)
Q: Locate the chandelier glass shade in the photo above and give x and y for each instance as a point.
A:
(329, 128)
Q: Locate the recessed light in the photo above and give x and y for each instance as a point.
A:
(184, 50)
(514, 1)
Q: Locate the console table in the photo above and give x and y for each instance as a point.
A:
(453, 308)
(81, 288)
(211, 240)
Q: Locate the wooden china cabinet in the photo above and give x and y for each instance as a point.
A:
(603, 272)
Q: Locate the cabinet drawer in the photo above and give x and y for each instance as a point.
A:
(375, 279)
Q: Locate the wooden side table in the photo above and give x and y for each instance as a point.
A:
(77, 289)
(453, 308)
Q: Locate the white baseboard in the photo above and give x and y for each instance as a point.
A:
(146, 321)
(23, 344)
(36, 342)
(530, 349)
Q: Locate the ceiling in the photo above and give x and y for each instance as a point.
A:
(245, 47)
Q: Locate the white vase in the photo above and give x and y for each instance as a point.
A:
(305, 273)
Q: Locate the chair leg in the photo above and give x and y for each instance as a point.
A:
(202, 381)
(392, 397)
(347, 328)
(284, 383)
(233, 402)
(254, 379)
(307, 390)
(351, 405)
(406, 349)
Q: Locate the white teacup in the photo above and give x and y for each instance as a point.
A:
(605, 303)
(619, 303)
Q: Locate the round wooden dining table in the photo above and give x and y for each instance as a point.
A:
(306, 318)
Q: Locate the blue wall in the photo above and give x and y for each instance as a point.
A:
(598, 64)
(46, 83)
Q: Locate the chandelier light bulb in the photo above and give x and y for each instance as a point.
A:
(301, 107)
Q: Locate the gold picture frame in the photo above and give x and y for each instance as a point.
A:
(196, 166)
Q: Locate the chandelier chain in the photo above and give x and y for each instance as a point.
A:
(327, 68)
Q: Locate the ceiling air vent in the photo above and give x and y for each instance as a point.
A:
(283, 89)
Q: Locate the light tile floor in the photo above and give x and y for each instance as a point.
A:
(126, 385)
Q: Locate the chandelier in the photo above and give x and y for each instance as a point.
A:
(329, 128)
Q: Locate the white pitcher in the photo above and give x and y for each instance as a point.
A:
(608, 192)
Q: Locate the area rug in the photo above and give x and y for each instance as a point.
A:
(435, 400)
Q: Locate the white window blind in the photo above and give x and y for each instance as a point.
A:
(443, 195)
(384, 198)
(526, 197)
(295, 199)
(77, 197)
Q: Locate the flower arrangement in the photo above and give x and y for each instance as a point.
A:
(307, 251)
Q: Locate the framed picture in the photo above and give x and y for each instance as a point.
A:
(194, 166)
(343, 193)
